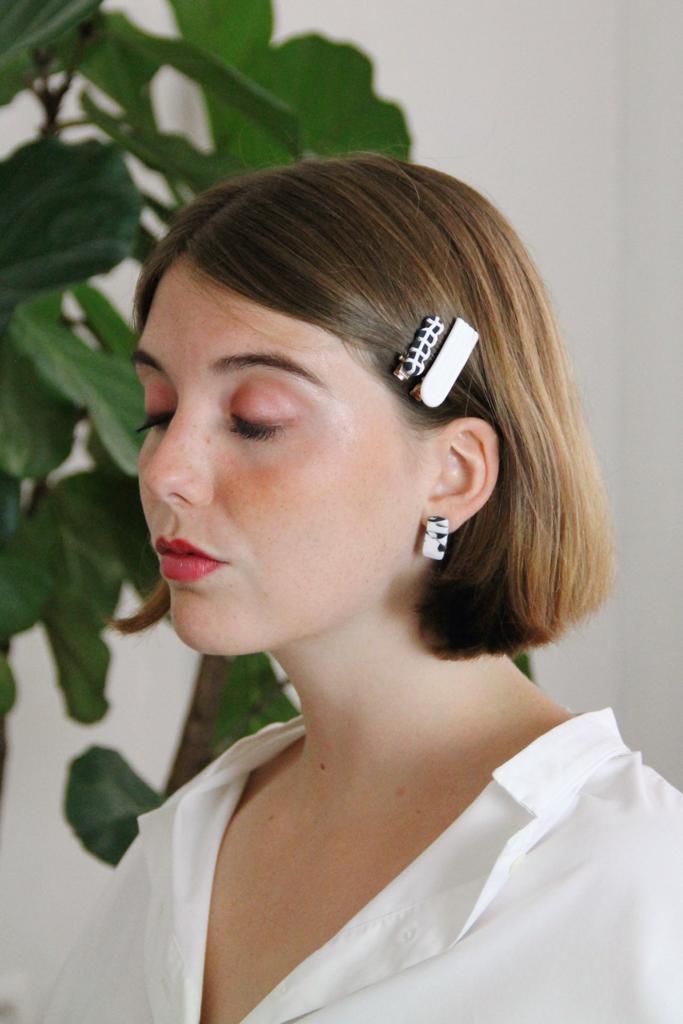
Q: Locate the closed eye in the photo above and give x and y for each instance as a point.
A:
(253, 431)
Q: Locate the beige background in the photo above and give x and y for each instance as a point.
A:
(568, 117)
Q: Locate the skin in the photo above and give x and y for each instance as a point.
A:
(323, 528)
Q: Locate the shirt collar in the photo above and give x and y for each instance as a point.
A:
(166, 843)
(413, 916)
(557, 763)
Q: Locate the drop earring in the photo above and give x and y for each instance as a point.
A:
(436, 537)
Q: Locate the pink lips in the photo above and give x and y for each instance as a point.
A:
(181, 560)
(187, 567)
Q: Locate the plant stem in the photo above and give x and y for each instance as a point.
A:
(76, 123)
(195, 749)
(51, 99)
(40, 489)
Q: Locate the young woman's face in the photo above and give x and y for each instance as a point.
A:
(318, 523)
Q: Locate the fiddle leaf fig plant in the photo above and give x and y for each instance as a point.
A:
(73, 209)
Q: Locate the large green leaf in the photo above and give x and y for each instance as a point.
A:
(131, 536)
(31, 23)
(81, 656)
(36, 421)
(10, 503)
(8, 686)
(27, 571)
(164, 212)
(232, 33)
(252, 698)
(216, 77)
(88, 513)
(68, 212)
(330, 86)
(102, 459)
(104, 797)
(105, 385)
(14, 75)
(105, 321)
(170, 152)
(128, 533)
(145, 241)
(229, 31)
(90, 573)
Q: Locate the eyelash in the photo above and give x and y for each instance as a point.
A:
(253, 431)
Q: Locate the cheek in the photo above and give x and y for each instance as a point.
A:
(329, 498)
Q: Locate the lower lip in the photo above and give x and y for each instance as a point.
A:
(187, 567)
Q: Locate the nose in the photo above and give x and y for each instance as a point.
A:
(178, 463)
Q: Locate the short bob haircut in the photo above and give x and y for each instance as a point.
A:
(365, 246)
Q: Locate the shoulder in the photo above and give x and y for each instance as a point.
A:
(639, 890)
(608, 883)
(625, 836)
(628, 801)
(615, 854)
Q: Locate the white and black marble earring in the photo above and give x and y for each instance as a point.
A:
(436, 537)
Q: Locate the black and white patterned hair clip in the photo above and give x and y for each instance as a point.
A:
(443, 372)
(412, 363)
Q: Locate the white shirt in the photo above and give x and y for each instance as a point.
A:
(556, 896)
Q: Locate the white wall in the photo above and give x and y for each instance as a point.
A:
(567, 117)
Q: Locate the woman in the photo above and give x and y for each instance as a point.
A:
(434, 838)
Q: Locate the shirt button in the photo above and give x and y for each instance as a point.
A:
(406, 934)
(516, 862)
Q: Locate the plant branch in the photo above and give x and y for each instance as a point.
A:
(51, 98)
(76, 123)
(40, 489)
(195, 748)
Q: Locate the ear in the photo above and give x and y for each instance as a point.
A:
(465, 456)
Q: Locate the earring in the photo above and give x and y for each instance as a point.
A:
(436, 537)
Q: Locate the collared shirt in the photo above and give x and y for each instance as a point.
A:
(556, 896)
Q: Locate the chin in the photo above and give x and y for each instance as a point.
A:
(209, 632)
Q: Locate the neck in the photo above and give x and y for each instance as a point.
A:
(401, 721)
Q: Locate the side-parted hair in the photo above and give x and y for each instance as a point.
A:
(365, 246)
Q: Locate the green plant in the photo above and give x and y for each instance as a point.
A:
(75, 209)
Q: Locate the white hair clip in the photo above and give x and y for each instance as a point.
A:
(450, 359)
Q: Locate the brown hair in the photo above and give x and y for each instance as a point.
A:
(365, 246)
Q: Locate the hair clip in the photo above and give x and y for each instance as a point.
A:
(412, 362)
(450, 359)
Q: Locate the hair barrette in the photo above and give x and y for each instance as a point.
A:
(443, 372)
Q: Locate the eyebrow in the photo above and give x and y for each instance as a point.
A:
(239, 362)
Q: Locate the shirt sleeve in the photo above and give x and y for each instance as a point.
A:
(650, 870)
(102, 978)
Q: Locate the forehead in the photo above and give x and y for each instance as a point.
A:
(195, 323)
(195, 318)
